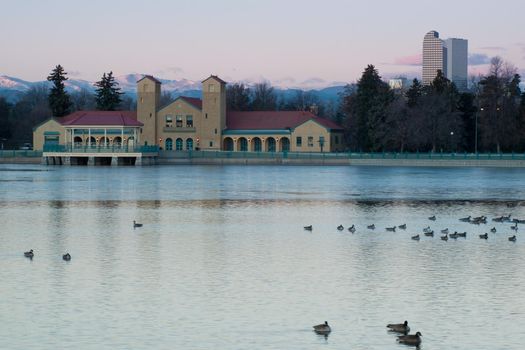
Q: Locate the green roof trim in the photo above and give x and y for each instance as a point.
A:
(49, 133)
(256, 132)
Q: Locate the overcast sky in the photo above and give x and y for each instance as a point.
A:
(278, 40)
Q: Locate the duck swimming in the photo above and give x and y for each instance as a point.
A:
(371, 227)
(399, 327)
(29, 254)
(340, 227)
(322, 328)
(136, 224)
(66, 257)
(402, 227)
(351, 229)
(411, 339)
(415, 238)
(432, 218)
(513, 238)
(391, 229)
(484, 236)
(308, 228)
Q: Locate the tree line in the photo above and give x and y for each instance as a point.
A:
(437, 118)
(41, 102)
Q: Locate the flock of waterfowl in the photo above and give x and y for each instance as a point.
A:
(428, 232)
(67, 257)
(403, 328)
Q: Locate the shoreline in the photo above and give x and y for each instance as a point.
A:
(438, 163)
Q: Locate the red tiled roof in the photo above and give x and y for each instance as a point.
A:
(109, 118)
(273, 120)
(151, 77)
(216, 78)
(195, 102)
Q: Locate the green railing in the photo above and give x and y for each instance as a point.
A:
(340, 155)
(19, 153)
(100, 149)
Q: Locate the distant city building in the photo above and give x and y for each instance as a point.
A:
(456, 67)
(400, 83)
(433, 56)
(450, 56)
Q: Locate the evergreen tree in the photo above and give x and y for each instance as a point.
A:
(367, 109)
(59, 101)
(414, 93)
(107, 94)
(5, 128)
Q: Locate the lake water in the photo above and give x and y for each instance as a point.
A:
(223, 262)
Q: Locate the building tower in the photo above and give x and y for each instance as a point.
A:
(213, 112)
(457, 62)
(433, 57)
(148, 99)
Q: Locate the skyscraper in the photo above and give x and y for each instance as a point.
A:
(457, 62)
(433, 56)
(449, 56)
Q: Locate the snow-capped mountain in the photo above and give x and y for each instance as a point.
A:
(12, 88)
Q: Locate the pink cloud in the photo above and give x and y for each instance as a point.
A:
(413, 60)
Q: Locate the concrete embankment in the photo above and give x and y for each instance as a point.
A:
(20, 160)
(491, 163)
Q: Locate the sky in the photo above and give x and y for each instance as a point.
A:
(282, 41)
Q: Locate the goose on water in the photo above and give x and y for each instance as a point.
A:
(445, 237)
(454, 235)
(66, 257)
(467, 219)
(444, 231)
(415, 238)
(308, 228)
(351, 229)
(432, 218)
(402, 227)
(462, 234)
(136, 224)
(29, 254)
(322, 328)
(484, 236)
(427, 229)
(515, 227)
(513, 238)
(493, 230)
(399, 327)
(429, 234)
(411, 339)
(340, 227)
(391, 229)
(371, 227)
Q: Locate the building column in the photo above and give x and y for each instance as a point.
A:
(91, 161)
(105, 138)
(138, 161)
(66, 160)
(89, 137)
(114, 161)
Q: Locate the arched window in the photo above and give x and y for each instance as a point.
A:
(189, 144)
(285, 144)
(77, 141)
(228, 144)
(169, 144)
(271, 144)
(257, 145)
(178, 144)
(91, 141)
(243, 144)
(117, 141)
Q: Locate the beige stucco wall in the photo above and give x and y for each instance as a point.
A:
(250, 139)
(213, 113)
(179, 107)
(310, 129)
(148, 99)
(50, 125)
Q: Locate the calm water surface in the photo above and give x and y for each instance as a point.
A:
(223, 262)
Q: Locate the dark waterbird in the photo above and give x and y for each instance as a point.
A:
(454, 235)
(322, 328)
(462, 234)
(493, 230)
(399, 327)
(515, 227)
(371, 227)
(340, 228)
(29, 254)
(415, 238)
(427, 229)
(308, 228)
(66, 257)
(484, 236)
(467, 219)
(429, 234)
(513, 238)
(411, 339)
(432, 218)
(402, 227)
(351, 229)
(391, 229)
(444, 238)
(444, 231)
(136, 224)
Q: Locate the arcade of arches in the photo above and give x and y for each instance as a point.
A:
(256, 144)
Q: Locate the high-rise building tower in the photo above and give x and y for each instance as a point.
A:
(433, 57)
(457, 62)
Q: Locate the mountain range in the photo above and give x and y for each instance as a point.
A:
(13, 88)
